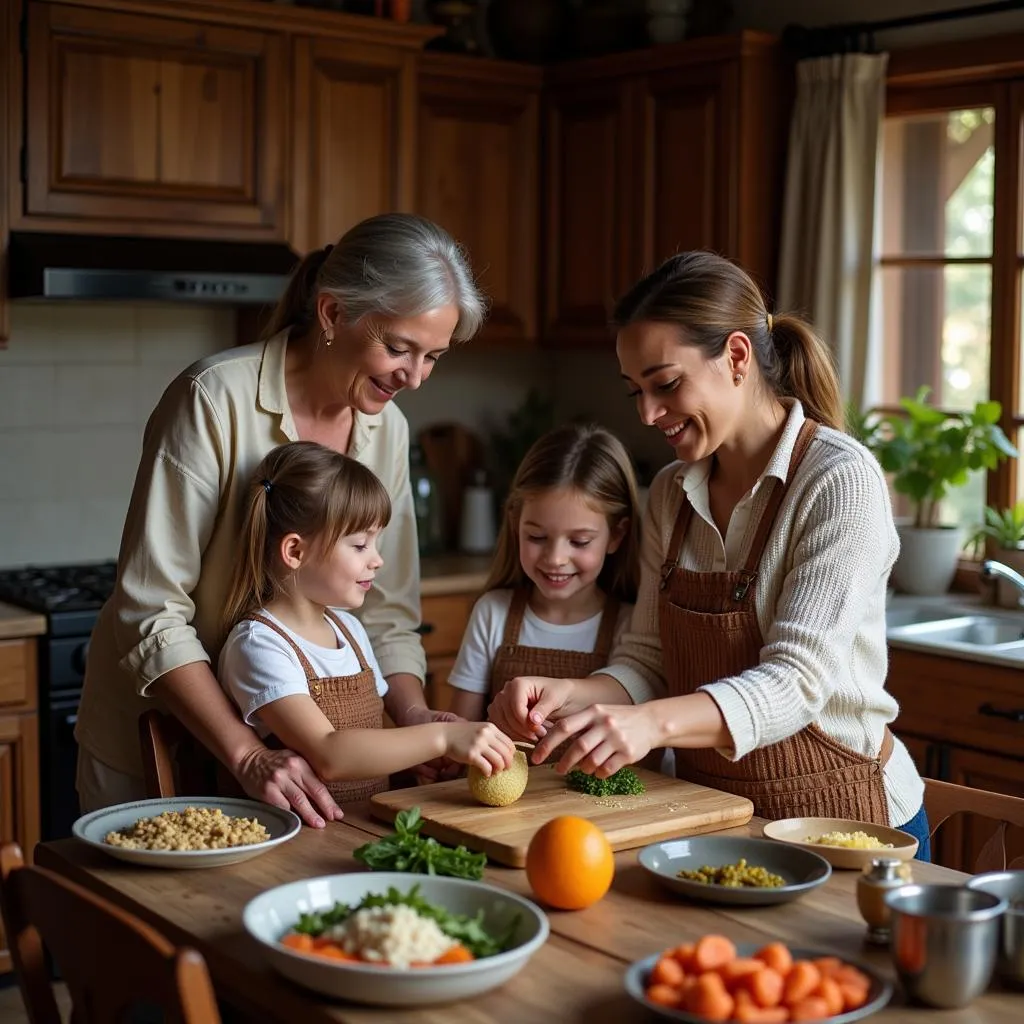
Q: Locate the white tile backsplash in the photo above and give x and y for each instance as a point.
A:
(77, 384)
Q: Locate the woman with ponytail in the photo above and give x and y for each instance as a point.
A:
(359, 322)
(757, 646)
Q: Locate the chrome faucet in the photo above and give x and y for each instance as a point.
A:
(990, 570)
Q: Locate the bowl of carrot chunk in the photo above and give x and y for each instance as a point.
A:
(714, 979)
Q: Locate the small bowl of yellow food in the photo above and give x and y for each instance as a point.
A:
(844, 843)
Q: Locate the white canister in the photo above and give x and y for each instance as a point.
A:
(477, 532)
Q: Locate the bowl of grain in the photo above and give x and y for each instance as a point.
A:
(843, 842)
(187, 832)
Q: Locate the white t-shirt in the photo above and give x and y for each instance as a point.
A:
(486, 631)
(258, 666)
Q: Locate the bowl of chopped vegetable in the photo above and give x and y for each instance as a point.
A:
(734, 869)
(393, 939)
(844, 843)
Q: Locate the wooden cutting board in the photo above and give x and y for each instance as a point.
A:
(667, 809)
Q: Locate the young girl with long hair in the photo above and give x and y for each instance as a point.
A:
(565, 570)
(301, 671)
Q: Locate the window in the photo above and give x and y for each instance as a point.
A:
(950, 264)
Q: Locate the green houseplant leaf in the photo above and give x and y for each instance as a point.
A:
(929, 452)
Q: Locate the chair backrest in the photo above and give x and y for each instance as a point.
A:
(111, 961)
(174, 762)
(944, 799)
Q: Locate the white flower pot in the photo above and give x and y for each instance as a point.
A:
(927, 559)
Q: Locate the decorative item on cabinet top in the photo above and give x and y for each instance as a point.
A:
(460, 19)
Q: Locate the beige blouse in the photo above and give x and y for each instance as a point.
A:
(208, 433)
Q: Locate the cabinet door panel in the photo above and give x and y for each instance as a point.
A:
(153, 124)
(354, 125)
(587, 210)
(478, 176)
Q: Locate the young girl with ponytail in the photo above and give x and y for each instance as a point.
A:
(300, 669)
(757, 648)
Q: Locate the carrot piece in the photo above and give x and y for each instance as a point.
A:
(811, 1008)
(668, 971)
(735, 971)
(828, 965)
(708, 999)
(299, 942)
(712, 952)
(777, 956)
(663, 995)
(323, 940)
(748, 1012)
(335, 952)
(765, 987)
(854, 995)
(684, 954)
(828, 989)
(850, 975)
(801, 981)
(457, 954)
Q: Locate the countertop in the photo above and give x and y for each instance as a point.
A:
(16, 622)
(453, 574)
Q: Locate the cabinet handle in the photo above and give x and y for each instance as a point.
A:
(425, 628)
(1013, 714)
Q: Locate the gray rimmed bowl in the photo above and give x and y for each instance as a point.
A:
(801, 869)
(944, 941)
(1008, 885)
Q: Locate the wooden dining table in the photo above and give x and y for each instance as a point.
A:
(576, 976)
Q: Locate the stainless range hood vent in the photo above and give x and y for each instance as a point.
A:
(43, 265)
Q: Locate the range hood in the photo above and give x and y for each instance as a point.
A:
(58, 266)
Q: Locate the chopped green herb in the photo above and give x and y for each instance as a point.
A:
(407, 850)
(625, 782)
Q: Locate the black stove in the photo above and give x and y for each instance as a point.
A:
(70, 597)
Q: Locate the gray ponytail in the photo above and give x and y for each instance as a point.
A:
(395, 265)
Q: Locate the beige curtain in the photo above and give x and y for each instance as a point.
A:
(828, 215)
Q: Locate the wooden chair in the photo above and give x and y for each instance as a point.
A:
(174, 762)
(112, 962)
(944, 799)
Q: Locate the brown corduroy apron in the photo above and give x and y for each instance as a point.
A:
(709, 631)
(349, 702)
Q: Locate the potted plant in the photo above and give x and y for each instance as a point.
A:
(1005, 528)
(929, 452)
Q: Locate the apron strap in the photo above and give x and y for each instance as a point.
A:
(336, 619)
(675, 545)
(771, 511)
(311, 676)
(514, 619)
(606, 631)
(887, 747)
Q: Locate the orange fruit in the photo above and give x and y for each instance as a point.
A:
(569, 863)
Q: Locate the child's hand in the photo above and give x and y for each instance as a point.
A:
(480, 744)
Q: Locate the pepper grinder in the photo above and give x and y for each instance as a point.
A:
(879, 876)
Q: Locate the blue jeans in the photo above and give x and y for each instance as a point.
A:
(918, 828)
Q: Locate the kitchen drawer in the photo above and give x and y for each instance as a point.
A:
(18, 674)
(444, 621)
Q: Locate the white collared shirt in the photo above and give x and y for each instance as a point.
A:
(820, 601)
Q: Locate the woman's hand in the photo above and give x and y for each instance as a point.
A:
(526, 705)
(480, 744)
(284, 779)
(608, 737)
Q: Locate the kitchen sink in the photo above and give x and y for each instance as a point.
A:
(911, 615)
(981, 631)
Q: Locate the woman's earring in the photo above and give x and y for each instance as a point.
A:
(737, 379)
(326, 338)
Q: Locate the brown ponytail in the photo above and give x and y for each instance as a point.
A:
(708, 298)
(807, 371)
(304, 488)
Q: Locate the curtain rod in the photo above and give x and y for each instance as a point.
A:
(859, 36)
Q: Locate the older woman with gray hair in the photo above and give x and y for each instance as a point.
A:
(360, 321)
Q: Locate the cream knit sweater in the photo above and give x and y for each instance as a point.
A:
(820, 602)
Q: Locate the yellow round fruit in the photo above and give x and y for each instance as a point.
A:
(569, 863)
(500, 788)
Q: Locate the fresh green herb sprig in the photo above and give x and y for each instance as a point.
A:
(625, 782)
(470, 931)
(407, 850)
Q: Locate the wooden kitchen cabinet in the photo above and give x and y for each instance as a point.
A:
(963, 722)
(649, 153)
(154, 125)
(478, 176)
(19, 754)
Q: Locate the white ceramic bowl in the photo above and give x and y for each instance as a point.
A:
(273, 913)
(797, 830)
(91, 828)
